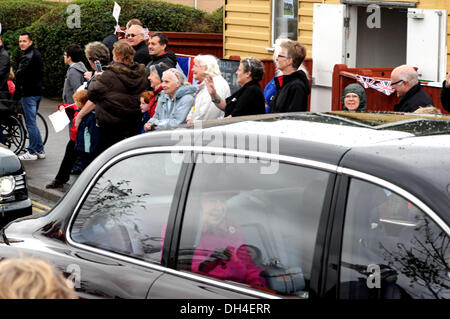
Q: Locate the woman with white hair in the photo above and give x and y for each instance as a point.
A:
(174, 104)
(204, 108)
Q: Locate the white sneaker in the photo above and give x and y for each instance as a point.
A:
(41, 155)
(28, 157)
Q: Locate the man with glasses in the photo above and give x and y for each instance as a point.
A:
(405, 82)
(135, 36)
(292, 87)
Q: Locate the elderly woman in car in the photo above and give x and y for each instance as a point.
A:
(249, 99)
(222, 251)
(174, 104)
(204, 108)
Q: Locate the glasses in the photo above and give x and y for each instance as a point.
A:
(130, 35)
(395, 83)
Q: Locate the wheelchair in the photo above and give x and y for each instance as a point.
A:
(12, 127)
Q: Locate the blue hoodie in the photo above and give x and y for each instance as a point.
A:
(171, 113)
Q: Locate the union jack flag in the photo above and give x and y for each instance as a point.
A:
(384, 87)
(379, 85)
(186, 64)
(366, 81)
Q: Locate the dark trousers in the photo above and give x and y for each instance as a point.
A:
(70, 156)
(110, 136)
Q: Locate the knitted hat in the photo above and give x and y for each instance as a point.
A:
(358, 90)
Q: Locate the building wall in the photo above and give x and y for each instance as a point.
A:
(248, 23)
(247, 27)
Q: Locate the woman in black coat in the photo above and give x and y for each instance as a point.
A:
(249, 99)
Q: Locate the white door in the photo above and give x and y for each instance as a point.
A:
(427, 43)
(328, 45)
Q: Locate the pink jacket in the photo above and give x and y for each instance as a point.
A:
(240, 267)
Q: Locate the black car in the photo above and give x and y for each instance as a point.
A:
(308, 205)
(14, 201)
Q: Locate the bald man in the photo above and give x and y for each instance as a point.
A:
(405, 81)
(135, 36)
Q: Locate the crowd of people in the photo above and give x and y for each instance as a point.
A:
(135, 87)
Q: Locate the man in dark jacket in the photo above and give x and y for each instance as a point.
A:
(292, 87)
(405, 81)
(157, 48)
(445, 93)
(135, 36)
(29, 88)
(5, 66)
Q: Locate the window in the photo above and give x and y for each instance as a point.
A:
(391, 249)
(255, 229)
(285, 19)
(127, 209)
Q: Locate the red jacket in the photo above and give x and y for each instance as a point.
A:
(154, 101)
(71, 108)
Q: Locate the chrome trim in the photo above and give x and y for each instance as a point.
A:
(398, 222)
(400, 191)
(283, 158)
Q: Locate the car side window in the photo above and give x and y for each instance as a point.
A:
(252, 228)
(391, 249)
(127, 209)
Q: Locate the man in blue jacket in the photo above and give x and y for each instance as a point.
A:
(29, 88)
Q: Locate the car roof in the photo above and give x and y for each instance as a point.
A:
(408, 150)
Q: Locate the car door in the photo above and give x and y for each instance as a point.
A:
(392, 246)
(248, 228)
(117, 231)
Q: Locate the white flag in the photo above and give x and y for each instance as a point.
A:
(116, 12)
(59, 120)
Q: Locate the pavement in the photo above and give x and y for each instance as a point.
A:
(43, 171)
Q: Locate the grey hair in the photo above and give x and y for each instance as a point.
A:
(97, 51)
(163, 67)
(140, 28)
(254, 66)
(176, 75)
(209, 63)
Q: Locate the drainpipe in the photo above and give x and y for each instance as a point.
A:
(195, 4)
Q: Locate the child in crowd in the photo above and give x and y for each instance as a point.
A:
(72, 151)
(145, 101)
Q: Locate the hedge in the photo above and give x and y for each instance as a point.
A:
(51, 34)
(16, 14)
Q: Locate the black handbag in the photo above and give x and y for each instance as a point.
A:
(282, 279)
